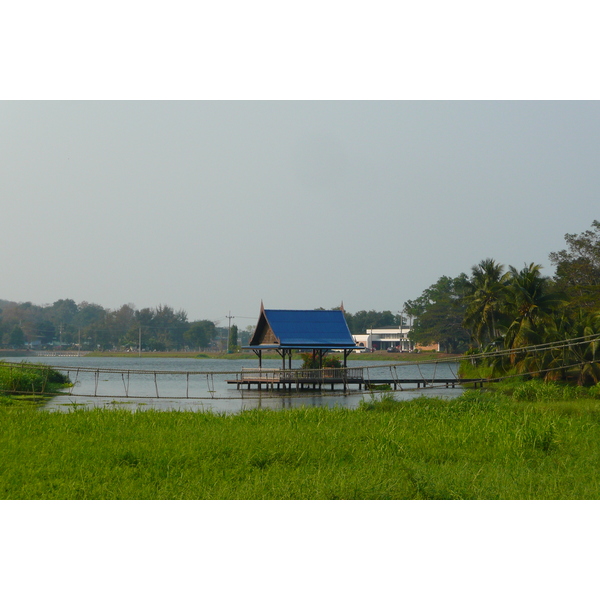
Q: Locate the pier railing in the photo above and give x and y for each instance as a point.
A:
(290, 375)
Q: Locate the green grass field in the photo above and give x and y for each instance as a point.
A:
(541, 442)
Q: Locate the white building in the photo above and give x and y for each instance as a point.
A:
(392, 339)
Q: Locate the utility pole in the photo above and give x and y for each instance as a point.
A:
(140, 342)
(401, 331)
(401, 343)
(229, 316)
(79, 342)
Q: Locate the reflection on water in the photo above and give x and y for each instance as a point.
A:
(197, 385)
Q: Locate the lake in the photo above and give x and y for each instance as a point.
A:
(200, 384)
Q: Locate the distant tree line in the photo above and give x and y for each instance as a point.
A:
(363, 320)
(92, 327)
(501, 310)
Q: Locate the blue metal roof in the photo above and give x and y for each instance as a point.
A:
(312, 329)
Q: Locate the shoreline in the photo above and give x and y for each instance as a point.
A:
(378, 356)
(372, 356)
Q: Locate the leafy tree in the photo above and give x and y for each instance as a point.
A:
(144, 317)
(412, 310)
(362, 320)
(579, 265)
(578, 269)
(124, 317)
(17, 337)
(29, 317)
(439, 313)
(121, 325)
(90, 324)
(89, 314)
(246, 334)
(169, 326)
(200, 334)
(233, 339)
(46, 332)
(62, 312)
(163, 328)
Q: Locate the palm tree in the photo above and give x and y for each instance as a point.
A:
(551, 363)
(485, 300)
(530, 302)
(585, 355)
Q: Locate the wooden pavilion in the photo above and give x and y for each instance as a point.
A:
(316, 331)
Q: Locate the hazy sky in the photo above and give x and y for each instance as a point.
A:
(214, 206)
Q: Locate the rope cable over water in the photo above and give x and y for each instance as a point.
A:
(210, 384)
(126, 385)
(75, 382)
(454, 373)
(422, 376)
(394, 376)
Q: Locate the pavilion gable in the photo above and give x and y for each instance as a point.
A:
(263, 334)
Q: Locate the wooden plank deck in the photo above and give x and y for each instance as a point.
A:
(299, 380)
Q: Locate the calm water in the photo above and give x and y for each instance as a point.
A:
(201, 384)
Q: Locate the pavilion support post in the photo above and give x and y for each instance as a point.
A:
(321, 365)
(259, 354)
(346, 355)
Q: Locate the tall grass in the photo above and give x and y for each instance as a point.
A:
(20, 379)
(484, 445)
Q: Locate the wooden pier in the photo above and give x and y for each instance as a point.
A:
(317, 379)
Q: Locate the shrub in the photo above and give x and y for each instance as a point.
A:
(312, 362)
(26, 377)
(540, 391)
(385, 402)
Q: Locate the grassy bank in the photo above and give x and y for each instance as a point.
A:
(28, 383)
(537, 445)
(199, 355)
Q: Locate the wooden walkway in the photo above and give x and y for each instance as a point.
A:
(299, 379)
